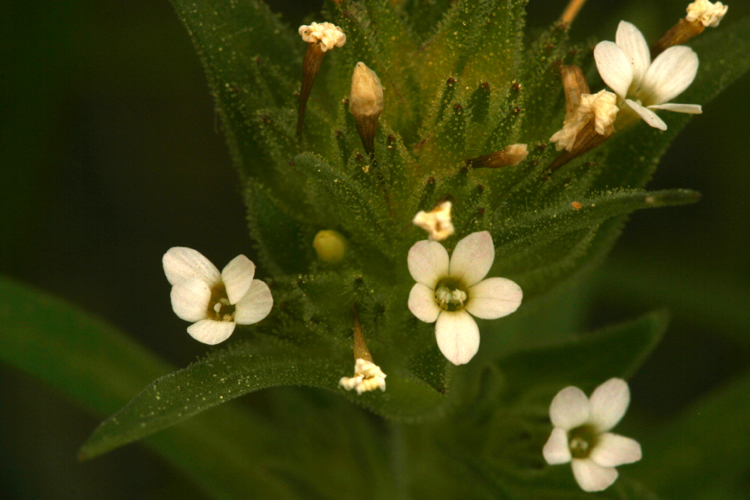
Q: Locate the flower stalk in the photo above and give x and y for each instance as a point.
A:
(320, 39)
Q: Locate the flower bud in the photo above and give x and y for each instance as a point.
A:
(366, 103)
(330, 246)
(508, 157)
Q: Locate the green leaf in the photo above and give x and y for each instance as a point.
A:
(97, 366)
(616, 351)
(708, 445)
(541, 248)
(284, 243)
(232, 372)
(251, 60)
(222, 376)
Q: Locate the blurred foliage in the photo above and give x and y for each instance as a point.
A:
(99, 208)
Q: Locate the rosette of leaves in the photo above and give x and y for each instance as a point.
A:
(461, 80)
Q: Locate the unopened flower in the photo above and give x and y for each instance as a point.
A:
(330, 246)
(581, 434)
(510, 156)
(366, 103)
(215, 302)
(327, 35)
(707, 13)
(600, 108)
(367, 377)
(450, 290)
(644, 85)
(437, 222)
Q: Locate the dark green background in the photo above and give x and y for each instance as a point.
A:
(110, 154)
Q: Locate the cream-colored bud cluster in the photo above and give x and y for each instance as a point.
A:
(709, 14)
(327, 35)
(367, 377)
(437, 222)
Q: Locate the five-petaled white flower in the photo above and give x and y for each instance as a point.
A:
(328, 35)
(450, 291)
(215, 302)
(367, 377)
(581, 434)
(644, 85)
(707, 13)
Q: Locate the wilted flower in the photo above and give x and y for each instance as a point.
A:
(367, 377)
(327, 35)
(601, 108)
(707, 13)
(215, 302)
(436, 222)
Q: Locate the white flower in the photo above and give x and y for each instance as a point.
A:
(215, 302)
(601, 107)
(367, 377)
(437, 222)
(581, 434)
(644, 85)
(709, 14)
(450, 291)
(327, 34)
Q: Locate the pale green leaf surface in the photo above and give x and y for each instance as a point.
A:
(615, 351)
(708, 445)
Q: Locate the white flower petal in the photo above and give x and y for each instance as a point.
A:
(671, 72)
(422, 303)
(181, 263)
(237, 277)
(457, 336)
(211, 332)
(631, 41)
(472, 258)
(692, 109)
(569, 409)
(612, 450)
(428, 262)
(592, 476)
(609, 402)
(614, 67)
(494, 298)
(557, 451)
(648, 116)
(254, 305)
(190, 299)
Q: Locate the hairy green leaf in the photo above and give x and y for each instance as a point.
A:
(100, 368)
